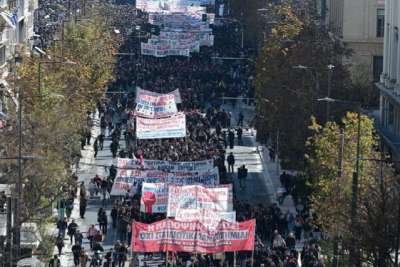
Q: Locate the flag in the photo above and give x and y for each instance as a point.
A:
(10, 19)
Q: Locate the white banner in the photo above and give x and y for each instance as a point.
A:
(176, 93)
(155, 106)
(207, 217)
(199, 197)
(131, 179)
(167, 166)
(173, 127)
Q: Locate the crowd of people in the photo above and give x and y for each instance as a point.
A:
(282, 237)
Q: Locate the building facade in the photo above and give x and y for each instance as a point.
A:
(388, 122)
(360, 24)
(16, 32)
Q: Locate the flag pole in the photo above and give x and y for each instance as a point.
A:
(234, 259)
(166, 259)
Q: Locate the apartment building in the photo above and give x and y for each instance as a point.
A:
(360, 24)
(16, 31)
(388, 122)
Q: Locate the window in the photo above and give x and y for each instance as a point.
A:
(377, 67)
(380, 22)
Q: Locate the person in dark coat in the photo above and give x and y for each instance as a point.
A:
(231, 139)
(72, 227)
(76, 252)
(231, 162)
(82, 207)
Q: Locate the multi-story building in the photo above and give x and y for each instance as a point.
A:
(388, 121)
(360, 24)
(16, 31)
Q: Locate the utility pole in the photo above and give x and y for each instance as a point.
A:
(353, 255)
(330, 72)
(335, 262)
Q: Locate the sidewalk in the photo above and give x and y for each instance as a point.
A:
(261, 164)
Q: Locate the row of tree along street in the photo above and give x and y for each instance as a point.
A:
(343, 173)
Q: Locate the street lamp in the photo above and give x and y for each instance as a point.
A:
(356, 174)
(315, 76)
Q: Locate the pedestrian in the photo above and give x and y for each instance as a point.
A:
(240, 120)
(60, 244)
(82, 207)
(83, 258)
(114, 148)
(114, 215)
(96, 147)
(62, 227)
(242, 175)
(103, 222)
(88, 136)
(78, 237)
(72, 227)
(61, 209)
(76, 252)
(239, 132)
(231, 139)
(122, 254)
(101, 141)
(69, 205)
(231, 162)
(82, 190)
(54, 262)
(91, 234)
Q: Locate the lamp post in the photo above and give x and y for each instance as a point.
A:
(354, 198)
(315, 75)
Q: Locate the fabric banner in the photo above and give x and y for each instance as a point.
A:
(151, 106)
(154, 198)
(163, 50)
(218, 198)
(176, 93)
(209, 218)
(173, 127)
(131, 179)
(192, 237)
(167, 166)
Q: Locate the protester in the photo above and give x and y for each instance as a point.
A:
(231, 162)
(72, 227)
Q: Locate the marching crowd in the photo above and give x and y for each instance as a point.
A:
(282, 238)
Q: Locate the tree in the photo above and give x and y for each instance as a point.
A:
(286, 96)
(54, 116)
(330, 165)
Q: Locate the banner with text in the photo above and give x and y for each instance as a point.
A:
(209, 218)
(151, 106)
(176, 93)
(130, 179)
(173, 127)
(218, 198)
(167, 166)
(192, 237)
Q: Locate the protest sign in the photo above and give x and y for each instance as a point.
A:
(176, 93)
(130, 179)
(155, 106)
(154, 198)
(209, 218)
(133, 178)
(218, 198)
(173, 127)
(192, 237)
(167, 166)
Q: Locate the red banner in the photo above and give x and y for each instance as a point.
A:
(192, 237)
